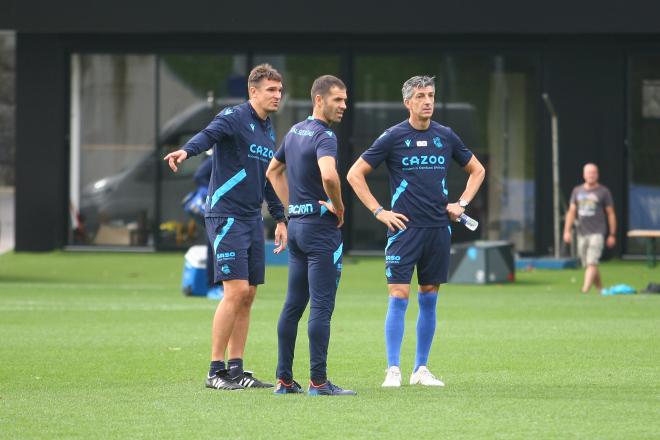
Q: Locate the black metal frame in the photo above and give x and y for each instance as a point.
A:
(346, 46)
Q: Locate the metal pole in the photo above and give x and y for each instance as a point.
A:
(555, 172)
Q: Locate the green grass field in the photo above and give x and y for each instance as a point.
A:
(105, 346)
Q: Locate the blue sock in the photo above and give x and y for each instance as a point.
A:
(425, 326)
(394, 324)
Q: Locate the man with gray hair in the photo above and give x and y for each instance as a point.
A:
(591, 203)
(417, 153)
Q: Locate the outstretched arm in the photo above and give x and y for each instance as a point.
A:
(357, 179)
(220, 126)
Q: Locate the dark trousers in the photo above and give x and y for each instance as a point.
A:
(315, 264)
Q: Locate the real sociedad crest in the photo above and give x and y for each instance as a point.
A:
(437, 142)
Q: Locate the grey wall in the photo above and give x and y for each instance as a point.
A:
(7, 107)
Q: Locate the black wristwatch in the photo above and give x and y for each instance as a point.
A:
(463, 203)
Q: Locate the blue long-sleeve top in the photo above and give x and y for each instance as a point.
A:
(244, 145)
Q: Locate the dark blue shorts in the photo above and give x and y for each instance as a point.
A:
(426, 248)
(239, 249)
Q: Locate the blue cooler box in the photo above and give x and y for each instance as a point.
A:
(194, 281)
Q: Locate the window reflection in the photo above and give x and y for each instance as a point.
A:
(192, 90)
(644, 160)
(112, 194)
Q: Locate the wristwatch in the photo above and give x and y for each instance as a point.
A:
(463, 203)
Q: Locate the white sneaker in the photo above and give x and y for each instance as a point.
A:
(424, 377)
(393, 378)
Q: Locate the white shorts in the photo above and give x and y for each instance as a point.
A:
(590, 248)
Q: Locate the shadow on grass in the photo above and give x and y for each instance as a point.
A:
(31, 279)
(501, 285)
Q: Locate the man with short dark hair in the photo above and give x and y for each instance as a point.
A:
(245, 143)
(417, 153)
(591, 203)
(312, 191)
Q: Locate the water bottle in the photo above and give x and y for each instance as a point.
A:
(468, 221)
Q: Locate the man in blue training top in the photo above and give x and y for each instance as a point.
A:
(245, 143)
(312, 191)
(417, 153)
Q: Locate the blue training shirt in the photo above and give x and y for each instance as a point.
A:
(418, 161)
(302, 147)
(245, 144)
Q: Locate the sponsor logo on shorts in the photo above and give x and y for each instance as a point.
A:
(388, 273)
(226, 256)
(393, 259)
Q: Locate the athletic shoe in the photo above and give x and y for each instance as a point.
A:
(247, 380)
(328, 389)
(424, 377)
(288, 388)
(393, 377)
(221, 381)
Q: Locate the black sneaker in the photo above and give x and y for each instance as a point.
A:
(221, 381)
(288, 388)
(247, 380)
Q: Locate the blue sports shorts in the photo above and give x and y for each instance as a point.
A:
(239, 249)
(426, 248)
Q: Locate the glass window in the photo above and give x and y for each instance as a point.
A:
(298, 72)
(500, 128)
(112, 149)
(192, 90)
(644, 144)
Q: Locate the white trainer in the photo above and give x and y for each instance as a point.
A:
(424, 377)
(393, 378)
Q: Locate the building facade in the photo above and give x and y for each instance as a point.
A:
(105, 90)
